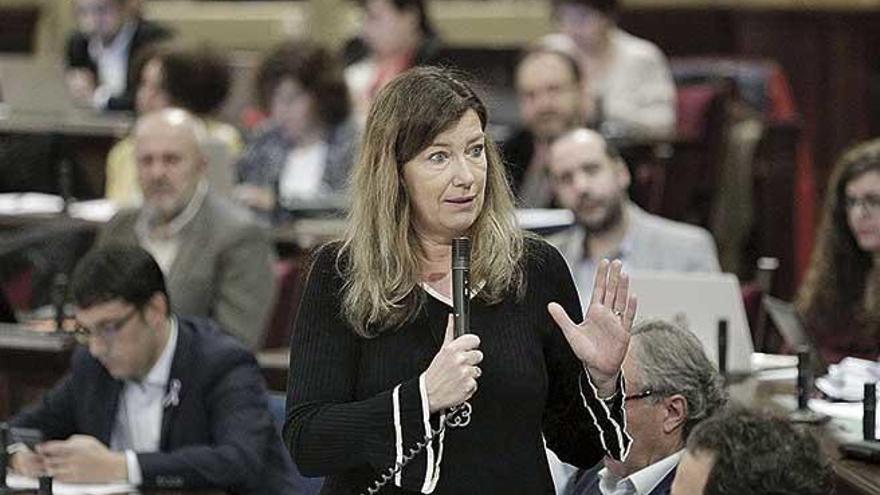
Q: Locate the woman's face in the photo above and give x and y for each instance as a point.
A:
(293, 108)
(446, 181)
(863, 210)
(151, 95)
(388, 31)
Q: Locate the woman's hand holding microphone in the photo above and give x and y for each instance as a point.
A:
(452, 377)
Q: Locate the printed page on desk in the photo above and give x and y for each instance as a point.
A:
(17, 482)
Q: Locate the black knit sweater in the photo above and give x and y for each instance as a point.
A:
(356, 404)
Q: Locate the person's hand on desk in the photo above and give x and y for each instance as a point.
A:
(82, 459)
(81, 83)
(28, 463)
(601, 340)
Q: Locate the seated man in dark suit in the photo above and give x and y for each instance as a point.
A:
(217, 260)
(101, 53)
(158, 400)
(739, 452)
(671, 386)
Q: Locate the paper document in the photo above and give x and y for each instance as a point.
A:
(17, 482)
(846, 379)
(30, 203)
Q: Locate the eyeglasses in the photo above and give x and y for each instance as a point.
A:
(870, 204)
(640, 395)
(107, 331)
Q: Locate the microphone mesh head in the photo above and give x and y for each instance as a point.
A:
(461, 252)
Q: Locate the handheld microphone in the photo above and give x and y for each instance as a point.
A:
(461, 290)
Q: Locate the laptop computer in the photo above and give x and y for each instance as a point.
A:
(697, 302)
(787, 321)
(30, 87)
(34, 97)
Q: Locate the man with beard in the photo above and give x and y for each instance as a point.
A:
(216, 259)
(551, 102)
(589, 178)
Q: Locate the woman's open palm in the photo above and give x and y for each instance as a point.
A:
(601, 340)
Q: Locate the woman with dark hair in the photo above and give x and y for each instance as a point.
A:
(303, 158)
(374, 366)
(395, 36)
(196, 79)
(839, 298)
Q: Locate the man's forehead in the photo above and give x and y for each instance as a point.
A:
(101, 310)
(581, 145)
(543, 66)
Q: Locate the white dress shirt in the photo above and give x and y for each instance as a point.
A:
(112, 63)
(642, 481)
(302, 174)
(138, 426)
(163, 241)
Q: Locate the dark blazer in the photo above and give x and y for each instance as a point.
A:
(145, 34)
(219, 435)
(587, 483)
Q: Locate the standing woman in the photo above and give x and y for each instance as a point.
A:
(839, 299)
(373, 365)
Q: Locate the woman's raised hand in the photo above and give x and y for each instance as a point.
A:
(601, 340)
(452, 376)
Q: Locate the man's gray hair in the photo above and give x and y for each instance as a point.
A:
(671, 361)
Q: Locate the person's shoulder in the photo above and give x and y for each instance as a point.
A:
(636, 48)
(539, 254)
(209, 345)
(230, 215)
(148, 30)
(327, 258)
(123, 220)
(671, 230)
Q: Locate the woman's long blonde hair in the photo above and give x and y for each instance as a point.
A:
(380, 254)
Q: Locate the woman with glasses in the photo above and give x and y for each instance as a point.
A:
(839, 299)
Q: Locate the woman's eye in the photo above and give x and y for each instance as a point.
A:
(477, 151)
(438, 157)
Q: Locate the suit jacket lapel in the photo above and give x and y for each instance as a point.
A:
(176, 389)
(111, 389)
(665, 485)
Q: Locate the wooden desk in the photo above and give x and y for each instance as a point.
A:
(30, 361)
(42, 140)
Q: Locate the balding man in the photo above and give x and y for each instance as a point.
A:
(551, 102)
(216, 258)
(589, 178)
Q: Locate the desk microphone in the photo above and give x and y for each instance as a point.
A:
(5, 440)
(803, 413)
(461, 290)
(722, 347)
(869, 417)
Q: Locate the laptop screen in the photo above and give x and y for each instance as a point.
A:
(698, 301)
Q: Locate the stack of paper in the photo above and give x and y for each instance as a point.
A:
(845, 380)
(17, 482)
